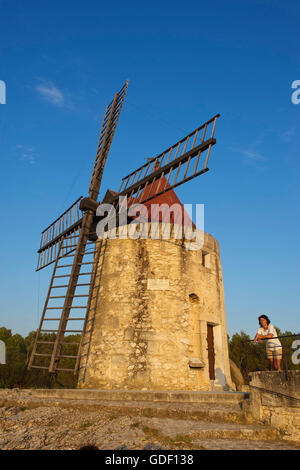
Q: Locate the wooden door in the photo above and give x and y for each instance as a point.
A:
(211, 351)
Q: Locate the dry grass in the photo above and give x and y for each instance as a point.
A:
(180, 441)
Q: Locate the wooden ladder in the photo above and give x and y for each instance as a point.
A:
(46, 336)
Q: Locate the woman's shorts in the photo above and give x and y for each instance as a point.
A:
(275, 353)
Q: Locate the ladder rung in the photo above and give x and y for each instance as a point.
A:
(72, 331)
(70, 265)
(54, 308)
(72, 343)
(39, 367)
(63, 275)
(63, 296)
(65, 331)
(64, 266)
(60, 308)
(70, 357)
(71, 370)
(68, 275)
(83, 253)
(66, 285)
(46, 342)
(53, 331)
(57, 319)
(67, 247)
(38, 354)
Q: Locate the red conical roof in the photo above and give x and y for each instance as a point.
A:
(162, 214)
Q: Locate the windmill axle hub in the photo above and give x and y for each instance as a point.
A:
(88, 204)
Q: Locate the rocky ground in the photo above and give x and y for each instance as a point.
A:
(54, 427)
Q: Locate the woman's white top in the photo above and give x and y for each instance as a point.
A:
(272, 342)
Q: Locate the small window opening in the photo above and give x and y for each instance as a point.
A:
(194, 297)
(205, 259)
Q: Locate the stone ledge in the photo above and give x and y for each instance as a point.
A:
(131, 395)
(275, 401)
(281, 382)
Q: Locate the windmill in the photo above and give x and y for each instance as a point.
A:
(71, 239)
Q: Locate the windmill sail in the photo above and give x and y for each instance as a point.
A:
(69, 223)
(179, 164)
(108, 128)
(66, 226)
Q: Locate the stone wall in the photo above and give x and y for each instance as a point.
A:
(150, 329)
(275, 400)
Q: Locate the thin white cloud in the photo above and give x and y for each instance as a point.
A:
(27, 153)
(287, 135)
(49, 92)
(252, 155)
(249, 154)
(262, 137)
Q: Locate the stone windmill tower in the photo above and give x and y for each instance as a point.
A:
(150, 306)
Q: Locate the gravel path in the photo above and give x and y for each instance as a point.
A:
(66, 428)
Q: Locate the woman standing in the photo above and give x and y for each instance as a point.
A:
(273, 345)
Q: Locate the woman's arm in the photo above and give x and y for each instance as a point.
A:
(257, 336)
(260, 337)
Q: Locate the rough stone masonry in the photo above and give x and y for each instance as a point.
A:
(150, 331)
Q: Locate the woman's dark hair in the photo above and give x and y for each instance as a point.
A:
(265, 317)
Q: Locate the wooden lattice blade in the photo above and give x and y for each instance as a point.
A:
(107, 132)
(70, 222)
(109, 125)
(66, 225)
(177, 165)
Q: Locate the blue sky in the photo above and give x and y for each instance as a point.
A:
(186, 61)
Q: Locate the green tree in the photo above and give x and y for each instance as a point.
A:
(18, 351)
(12, 374)
(250, 357)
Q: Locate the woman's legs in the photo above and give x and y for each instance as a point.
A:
(271, 359)
(277, 359)
(274, 357)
